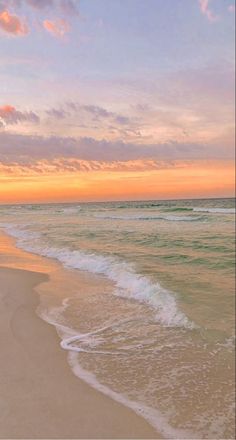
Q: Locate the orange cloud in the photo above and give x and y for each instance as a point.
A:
(58, 28)
(11, 24)
(6, 109)
(196, 180)
(63, 166)
(10, 116)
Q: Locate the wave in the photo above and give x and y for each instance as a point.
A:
(180, 209)
(129, 284)
(137, 205)
(70, 210)
(153, 416)
(216, 210)
(32, 207)
(171, 218)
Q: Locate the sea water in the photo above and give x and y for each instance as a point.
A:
(153, 323)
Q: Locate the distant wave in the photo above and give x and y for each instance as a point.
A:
(216, 210)
(139, 205)
(176, 209)
(30, 207)
(128, 283)
(70, 210)
(171, 218)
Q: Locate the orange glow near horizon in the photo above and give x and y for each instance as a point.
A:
(185, 182)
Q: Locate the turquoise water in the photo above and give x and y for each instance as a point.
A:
(167, 319)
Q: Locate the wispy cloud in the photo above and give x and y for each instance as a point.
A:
(69, 7)
(58, 28)
(205, 9)
(231, 8)
(40, 4)
(97, 112)
(64, 6)
(12, 25)
(57, 113)
(10, 116)
(64, 166)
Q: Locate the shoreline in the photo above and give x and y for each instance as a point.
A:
(40, 396)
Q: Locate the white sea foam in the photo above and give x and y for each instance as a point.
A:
(172, 218)
(229, 343)
(21, 235)
(66, 344)
(128, 283)
(216, 210)
(153, 416)
(94, 339)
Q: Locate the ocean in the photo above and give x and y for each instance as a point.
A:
(144, 304)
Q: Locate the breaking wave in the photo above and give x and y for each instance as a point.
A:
(171, 218)
(216, 210)
(128, 283)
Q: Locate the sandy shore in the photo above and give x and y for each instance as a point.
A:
(39, 395)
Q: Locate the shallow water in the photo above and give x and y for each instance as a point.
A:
(153, 325)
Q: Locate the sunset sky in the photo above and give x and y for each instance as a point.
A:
(116, 99)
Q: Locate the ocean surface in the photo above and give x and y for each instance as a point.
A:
(151, 323)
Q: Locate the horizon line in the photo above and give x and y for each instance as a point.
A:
(117, 201)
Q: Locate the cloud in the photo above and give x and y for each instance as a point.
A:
(27, 150)
(57, 113)
(11, 24)
(58, 28)
(64, 166)
(231, 8)
(98, 113)
(68, 7)
(40, 4)
(186, 101)
(204, 7)
(10, 116)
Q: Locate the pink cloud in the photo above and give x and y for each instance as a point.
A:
(231, 8)
(11, 24)
(204, 7)
(58, 28)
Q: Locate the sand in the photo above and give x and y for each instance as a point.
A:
(39, 395)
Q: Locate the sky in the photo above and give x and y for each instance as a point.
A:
(116, 99)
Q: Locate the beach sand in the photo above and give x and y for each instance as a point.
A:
(39, 395)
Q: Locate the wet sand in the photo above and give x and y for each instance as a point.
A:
(39, 395)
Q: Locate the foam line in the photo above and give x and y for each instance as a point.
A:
(171, 218)
(153, 416)
(216, 210)
(128, 283)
